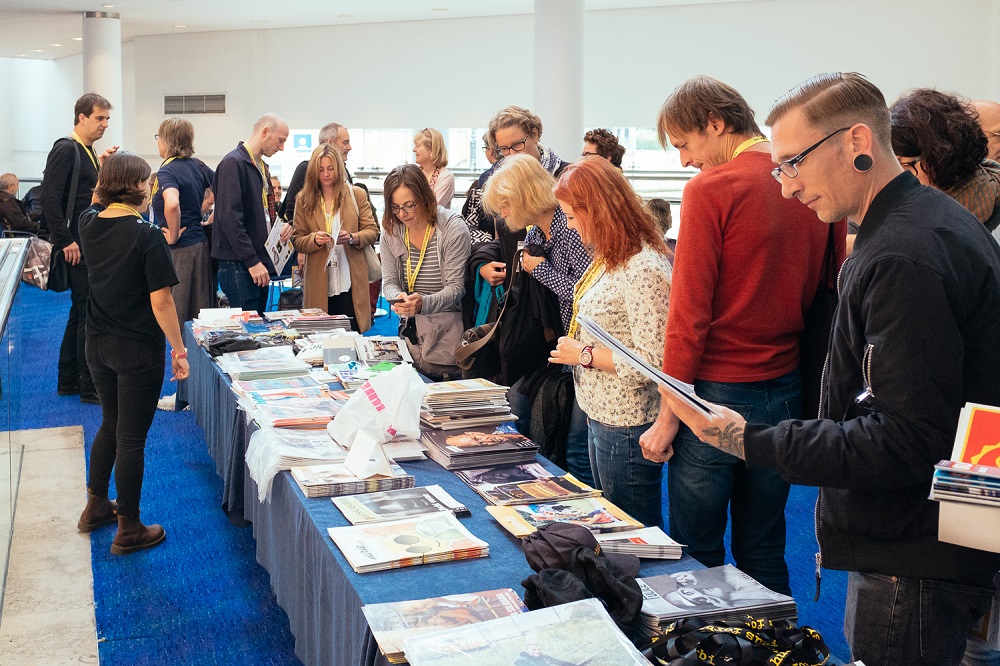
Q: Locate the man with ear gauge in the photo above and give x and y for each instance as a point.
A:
(914, 339)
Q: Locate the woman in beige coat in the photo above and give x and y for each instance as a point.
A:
(333, 223)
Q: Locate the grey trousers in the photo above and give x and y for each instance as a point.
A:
(195, 289)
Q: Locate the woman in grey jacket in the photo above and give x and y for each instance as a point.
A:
(424, 251)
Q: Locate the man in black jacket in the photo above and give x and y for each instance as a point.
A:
(90, 116)
(12, 215)
(915, 338)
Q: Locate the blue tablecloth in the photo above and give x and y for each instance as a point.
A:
(310, 577)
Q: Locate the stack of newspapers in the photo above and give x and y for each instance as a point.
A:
(434, 537)
(263, 363)
(721, 593)
(464, 404)
(335, 479)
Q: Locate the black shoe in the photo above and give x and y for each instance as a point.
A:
(67, 390)
(90, 398)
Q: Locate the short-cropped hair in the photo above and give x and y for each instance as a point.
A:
(524, 187)
(515, 115)
(431, 139)
(692, 103)
(834, 100)
(412, 178)
(6, 180)
(943, 131)
(329, 132)
(177, 135)
(87, 104)
(120, 178)
(618, 225)
(607, 145)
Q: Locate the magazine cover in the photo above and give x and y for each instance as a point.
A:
(277, 395)
(397, 504)
(977, 440)
(557, 488)
(402, 543)
(485, 478)
(382, 349)
(596, 514)
(470, 441)
(572, 634)
(287, 383)
(392, 623)
(334, 473)
(685, 593)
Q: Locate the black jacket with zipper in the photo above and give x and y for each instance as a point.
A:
(915, 337)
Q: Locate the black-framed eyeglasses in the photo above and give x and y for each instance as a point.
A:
(788, 167)
(515, 147)
(910, 165)
(407, 208)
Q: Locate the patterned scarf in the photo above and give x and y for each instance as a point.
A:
(981, 193)
(550, 161)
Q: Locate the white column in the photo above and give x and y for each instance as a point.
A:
(102, 68)
(559, 74)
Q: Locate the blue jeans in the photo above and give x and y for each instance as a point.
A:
(578, 446)
(705, 484)
(628, 480)
(239, 287)
(891, 620)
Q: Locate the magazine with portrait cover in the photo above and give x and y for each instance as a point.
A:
(486, 478)
(554, 489)
(571, 634)
(335, 479)
(376, 349)
(392, 623)
(396, 504)
(435, 537)
(596, 514)
(479, 447)
(647, 543)
(720, 593)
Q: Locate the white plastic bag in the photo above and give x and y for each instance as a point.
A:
(383, 407)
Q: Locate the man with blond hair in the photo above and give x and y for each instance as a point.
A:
(914, 339)
(242, 215)
(748, 265)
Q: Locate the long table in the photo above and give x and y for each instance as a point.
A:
(310, 577)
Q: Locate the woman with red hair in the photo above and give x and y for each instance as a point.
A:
(626, 290)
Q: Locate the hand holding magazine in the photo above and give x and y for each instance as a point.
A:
(677, 388)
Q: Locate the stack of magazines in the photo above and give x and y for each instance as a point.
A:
(375, 349)
(479, 447)
(963, 482)
(398, 504)
(279, 384)
(648, 543)
(573, 634)
(435, 537)
(335, 479)
(297, 412)
(314, 320)
(721, 593)
(264, 363)
(466, 403)
(596, 514)
(552, 489)
(392, 623)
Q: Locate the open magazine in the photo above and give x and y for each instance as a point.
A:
(682, 391)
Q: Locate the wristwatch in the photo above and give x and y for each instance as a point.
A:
(587, 357)
(350, 239)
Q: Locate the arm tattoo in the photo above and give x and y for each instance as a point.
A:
(730, 440)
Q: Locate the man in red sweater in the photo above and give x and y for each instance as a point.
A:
(747, 267)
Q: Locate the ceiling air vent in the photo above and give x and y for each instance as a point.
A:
(180, 104)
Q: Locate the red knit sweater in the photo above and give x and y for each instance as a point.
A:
(747, 267)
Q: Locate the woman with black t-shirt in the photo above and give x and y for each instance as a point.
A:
(129, 311)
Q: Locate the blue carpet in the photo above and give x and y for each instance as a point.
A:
(201, 598)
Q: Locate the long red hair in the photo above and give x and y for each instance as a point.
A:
(617, 223)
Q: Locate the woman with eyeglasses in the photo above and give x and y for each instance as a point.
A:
(424, 250)
(129, 312)
(178, 191)
(333, 224)
(431, 155)
(937, 138)
(602, 143)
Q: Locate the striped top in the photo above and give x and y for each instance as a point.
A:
(429, 278)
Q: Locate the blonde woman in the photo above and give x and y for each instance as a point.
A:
(431, 156)
(333, 223)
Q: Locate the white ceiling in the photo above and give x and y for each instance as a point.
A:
(45, 29)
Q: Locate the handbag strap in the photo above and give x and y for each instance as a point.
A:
(74, 184)
(467, 349)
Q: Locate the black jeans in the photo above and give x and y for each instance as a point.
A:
(73, 370)
(343, 304)
(128, 376)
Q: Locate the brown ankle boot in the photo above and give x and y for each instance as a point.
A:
(99, 511)
(132, 535)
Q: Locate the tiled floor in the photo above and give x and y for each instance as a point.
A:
(48, 613)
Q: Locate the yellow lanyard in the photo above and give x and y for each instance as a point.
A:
(327, 216)
(128, 208)
(156, 179)
(411, 273)
(263, 178)
(589, 278)
(749, 143)
(87, 149)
